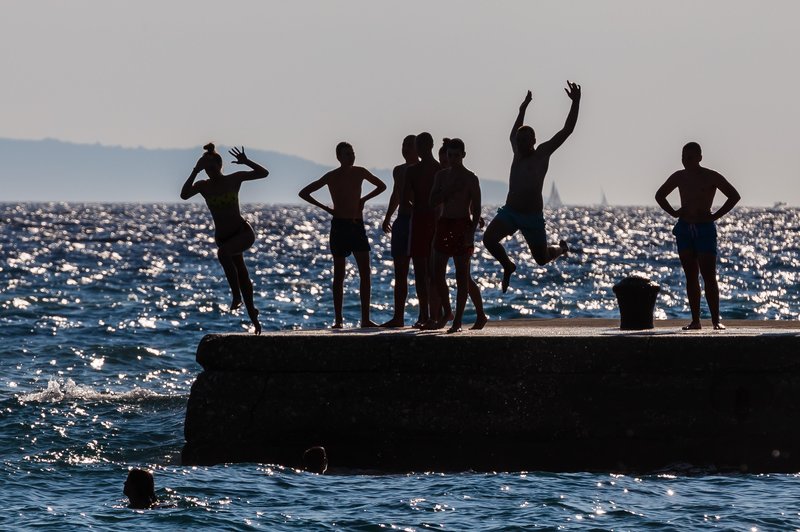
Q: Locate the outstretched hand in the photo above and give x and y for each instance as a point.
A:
(238, 154)
(528, 99)
(573, 90)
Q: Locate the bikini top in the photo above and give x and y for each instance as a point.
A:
(224, 200)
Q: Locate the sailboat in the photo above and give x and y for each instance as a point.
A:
(554, 200)
(603, 200)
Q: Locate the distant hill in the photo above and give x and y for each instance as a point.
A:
(52, 170)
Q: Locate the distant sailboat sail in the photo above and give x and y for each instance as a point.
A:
(554, 201)
(603, 200)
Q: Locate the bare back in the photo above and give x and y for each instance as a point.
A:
(419, 182)
(697, 188)
(526, 180)
(222, 197)
(404, 199)
(344, 185)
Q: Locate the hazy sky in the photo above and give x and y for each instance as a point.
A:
(298, 76)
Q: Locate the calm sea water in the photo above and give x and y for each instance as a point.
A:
(102, 306)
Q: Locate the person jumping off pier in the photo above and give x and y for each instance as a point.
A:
(524, 204)
(232, 233)
(695, 232)
(348, 234)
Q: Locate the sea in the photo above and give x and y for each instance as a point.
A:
(102, 307)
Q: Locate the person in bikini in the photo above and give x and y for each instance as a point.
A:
(348, 234)
(232, 233)
(400, 231)
(524, 204)
(695, 231)
(458, 191)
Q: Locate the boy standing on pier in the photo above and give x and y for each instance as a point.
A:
(348, 234)
(524, 205)
(695, 232)
(459, 192)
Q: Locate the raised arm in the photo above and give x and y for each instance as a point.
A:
(190, 188)
(731, 194)
(573, 90)
(305, 194)
(380, 186)
(257, 171)
(520, 120)
(665, 190)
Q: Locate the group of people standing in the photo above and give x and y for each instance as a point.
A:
(438, 206)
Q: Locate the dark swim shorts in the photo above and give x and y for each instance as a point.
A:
(348, 236)
(401, 236)
(531, 225)
(423, 227)
(454, 236)
(701, 238)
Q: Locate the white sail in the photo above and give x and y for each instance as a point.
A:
(554, 201)
(603, 200)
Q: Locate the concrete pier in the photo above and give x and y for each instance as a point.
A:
(554, 395)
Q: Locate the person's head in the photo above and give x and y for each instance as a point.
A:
(456, 152)
(140, 488)
(525, 138)
(410, 147)
(315, 460)
(424, 143)
(211, 161)
(443, 153)
(345, 154)
(691, 155)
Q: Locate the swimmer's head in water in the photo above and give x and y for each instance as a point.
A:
(315, 460)
(424, 142)
(456, 151)
(345, 154)
(409, 146)
(691, 155)
(211, 161)
(526, 138)
(140, 488)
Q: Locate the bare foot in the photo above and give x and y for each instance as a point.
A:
(433, 325)
(449, 316)
(454, 329)
(694, 326)
(563, 245)
(338, 325)
(368, 324)
(718, 326)
(507, 276)
(394, 322)
(479, 323)
(236, 303)
(254, 319)
(419, 324)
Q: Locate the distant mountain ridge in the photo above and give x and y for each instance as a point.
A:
(54, 170)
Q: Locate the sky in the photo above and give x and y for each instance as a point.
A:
(299, 76)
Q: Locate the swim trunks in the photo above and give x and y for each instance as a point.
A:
(244, 227)
(531, 225)
(701, 237)
(348, 236)
(401, 236)
(423, 227)
(454, 236)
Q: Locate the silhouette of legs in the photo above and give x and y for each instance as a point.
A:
(477, 301)
(423, 287)
(338, 290)
(708, 269)
(246, 286)
(462, 292)
(439, 285)
(691, 269)
(365, 286)
(401, 266)
(495, 232)
(544, 254)
(230, 257)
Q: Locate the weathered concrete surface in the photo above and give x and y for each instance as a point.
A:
(559, 395)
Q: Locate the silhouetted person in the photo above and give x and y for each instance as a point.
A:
(315, 460)
(232, 233)
(695, 232)
(474, 289)
(459, 192)
(348, 234)
(419, 182)
(400, 231)
(140, 489)
(524, 204)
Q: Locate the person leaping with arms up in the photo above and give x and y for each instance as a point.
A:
(348, 234)
(524, 204)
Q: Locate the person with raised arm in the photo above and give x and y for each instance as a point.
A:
(348, 234)
(458, 190)
(232, 233)
(400, 231)
(695, 232)
(523, 210)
